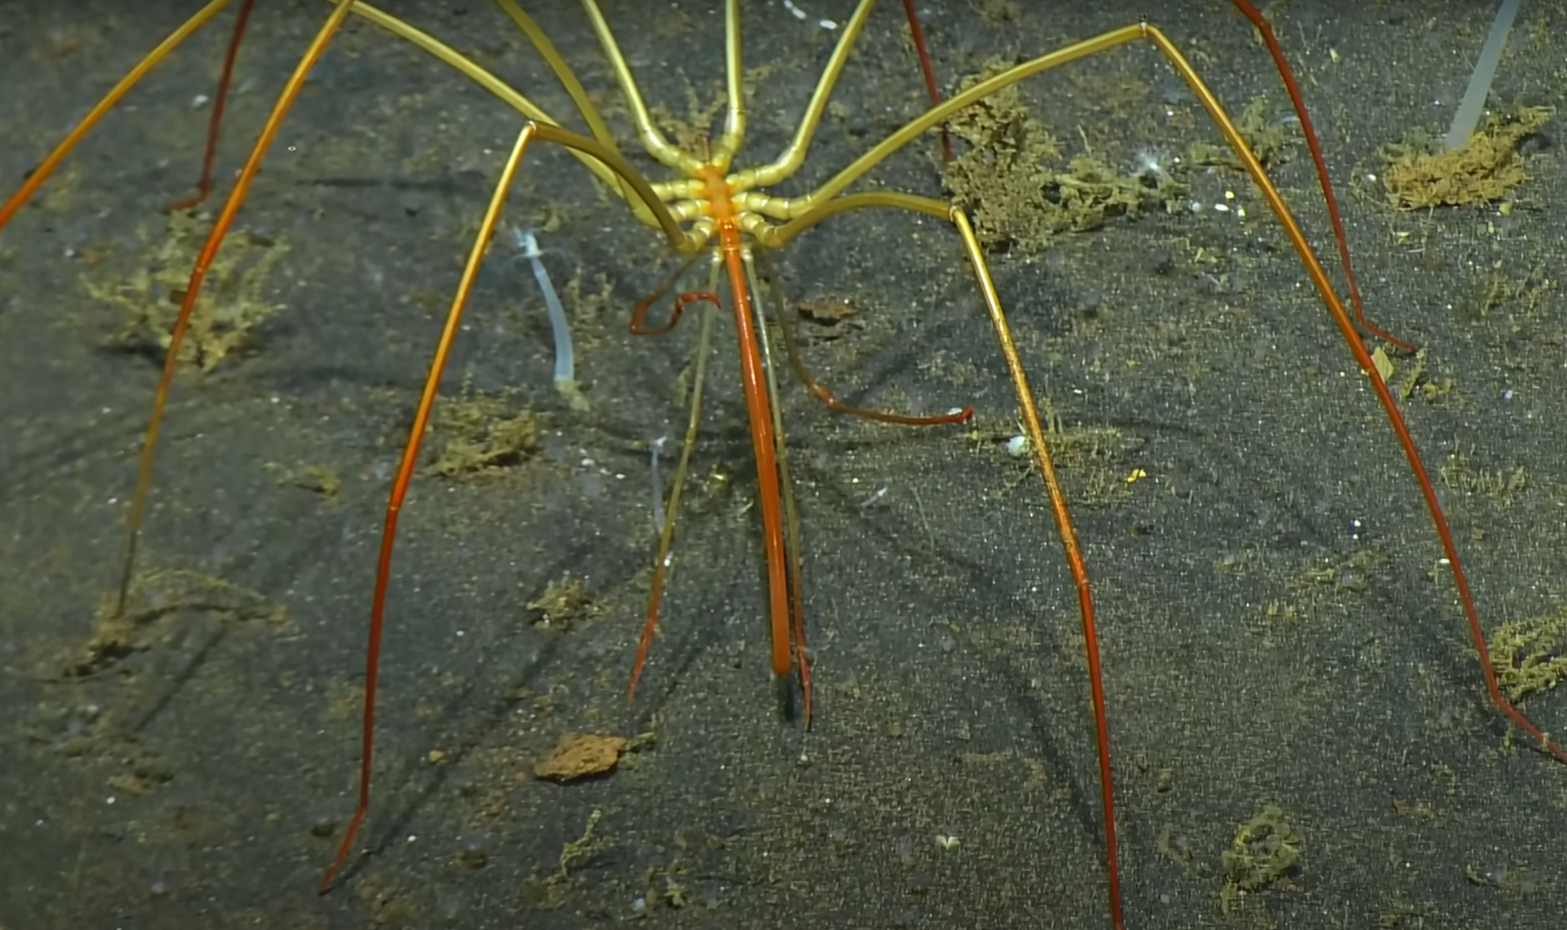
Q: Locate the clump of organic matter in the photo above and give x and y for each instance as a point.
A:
(1265, 851)
(1011, 181)
(1419, 175)
(478, 435)
(1530, 654)
(232, 304)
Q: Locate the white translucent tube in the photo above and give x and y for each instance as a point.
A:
(656, 450)
(565, 363)
(1468, 116)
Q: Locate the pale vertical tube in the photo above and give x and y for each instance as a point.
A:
(565, 364)
(1468, 115)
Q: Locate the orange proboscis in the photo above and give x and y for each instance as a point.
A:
(786, 623)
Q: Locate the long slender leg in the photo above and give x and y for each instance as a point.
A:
(405, 470)
(666, 535)
(219, 101)
(791, 513)
(1074, 555)
(1265, 29)
(917, 31)
(828, 200)
(198, 274)
(52, 161)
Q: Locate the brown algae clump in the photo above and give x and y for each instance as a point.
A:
(231, 306)
(1265, 851)
(1483, 171)
(562, 604)
(1530, 654)
(1011, 183)
(1265, 137)
(479, 435)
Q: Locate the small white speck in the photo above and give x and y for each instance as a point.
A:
(200, 100)
(803, 16)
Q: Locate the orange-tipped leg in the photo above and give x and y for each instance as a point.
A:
(219, 100)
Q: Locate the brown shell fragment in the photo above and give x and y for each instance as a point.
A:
(581, 755)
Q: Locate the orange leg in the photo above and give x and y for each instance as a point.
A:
(758, 403)
(46, 168)
(1357, 348)
(405, 471)
(1266, 31)
(1341, 317)
(198, 275)
(661, 564)
(917, 33)
(209, 159)
(1074, 556)
(1363, 359)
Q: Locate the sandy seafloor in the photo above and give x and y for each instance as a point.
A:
(1275, 627)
